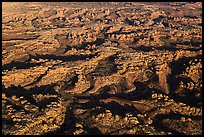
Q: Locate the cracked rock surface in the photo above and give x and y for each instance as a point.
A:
(103, 68)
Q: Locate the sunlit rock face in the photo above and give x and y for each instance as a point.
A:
(101, 68)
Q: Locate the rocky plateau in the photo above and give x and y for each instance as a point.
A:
(102, 68)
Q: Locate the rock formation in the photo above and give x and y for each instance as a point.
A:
(116, 68)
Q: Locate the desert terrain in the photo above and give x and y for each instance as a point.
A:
(102, 68)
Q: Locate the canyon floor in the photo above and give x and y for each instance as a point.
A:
(102, 68)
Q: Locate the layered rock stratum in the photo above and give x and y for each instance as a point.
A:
(110, 68)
